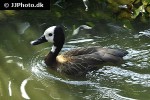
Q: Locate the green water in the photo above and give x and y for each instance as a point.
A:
(23, 74)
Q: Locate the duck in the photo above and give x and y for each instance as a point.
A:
(77, 61)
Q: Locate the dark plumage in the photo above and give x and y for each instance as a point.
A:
(78, 61)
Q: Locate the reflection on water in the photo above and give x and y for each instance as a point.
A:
(23, 27)
(139, 58)
(80, 40)
(145, 32)
(24, 75)
(22, 89)
(9, 88)
(81, 27)
(15, 59)
(115, 73)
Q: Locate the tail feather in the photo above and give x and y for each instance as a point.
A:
(114, 55)
(117, 52)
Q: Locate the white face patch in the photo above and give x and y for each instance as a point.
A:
(49, 34)
(53, 48)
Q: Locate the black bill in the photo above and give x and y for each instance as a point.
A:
(40, 40)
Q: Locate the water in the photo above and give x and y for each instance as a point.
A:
(23, 74)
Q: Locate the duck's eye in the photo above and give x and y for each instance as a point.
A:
(50, 34)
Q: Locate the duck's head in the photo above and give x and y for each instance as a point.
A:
(53, 34)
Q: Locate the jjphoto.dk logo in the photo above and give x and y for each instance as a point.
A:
(12, 5)
(25, 5)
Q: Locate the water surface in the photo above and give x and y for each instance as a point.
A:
(23, 74)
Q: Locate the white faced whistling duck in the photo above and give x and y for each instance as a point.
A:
(77, 61)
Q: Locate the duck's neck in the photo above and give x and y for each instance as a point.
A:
(50, 60)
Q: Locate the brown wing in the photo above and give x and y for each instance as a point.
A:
(81, 51)
(90, 50)
(85, 59)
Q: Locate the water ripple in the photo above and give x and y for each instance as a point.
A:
(9, 88)
(15, 59)
(22, 88)
(81, 41)
(130, 76)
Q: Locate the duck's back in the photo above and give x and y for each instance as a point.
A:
(82, 60)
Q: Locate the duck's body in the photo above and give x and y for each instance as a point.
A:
(77, 61)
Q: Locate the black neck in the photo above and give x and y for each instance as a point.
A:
(50, 60)
(57, 50)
